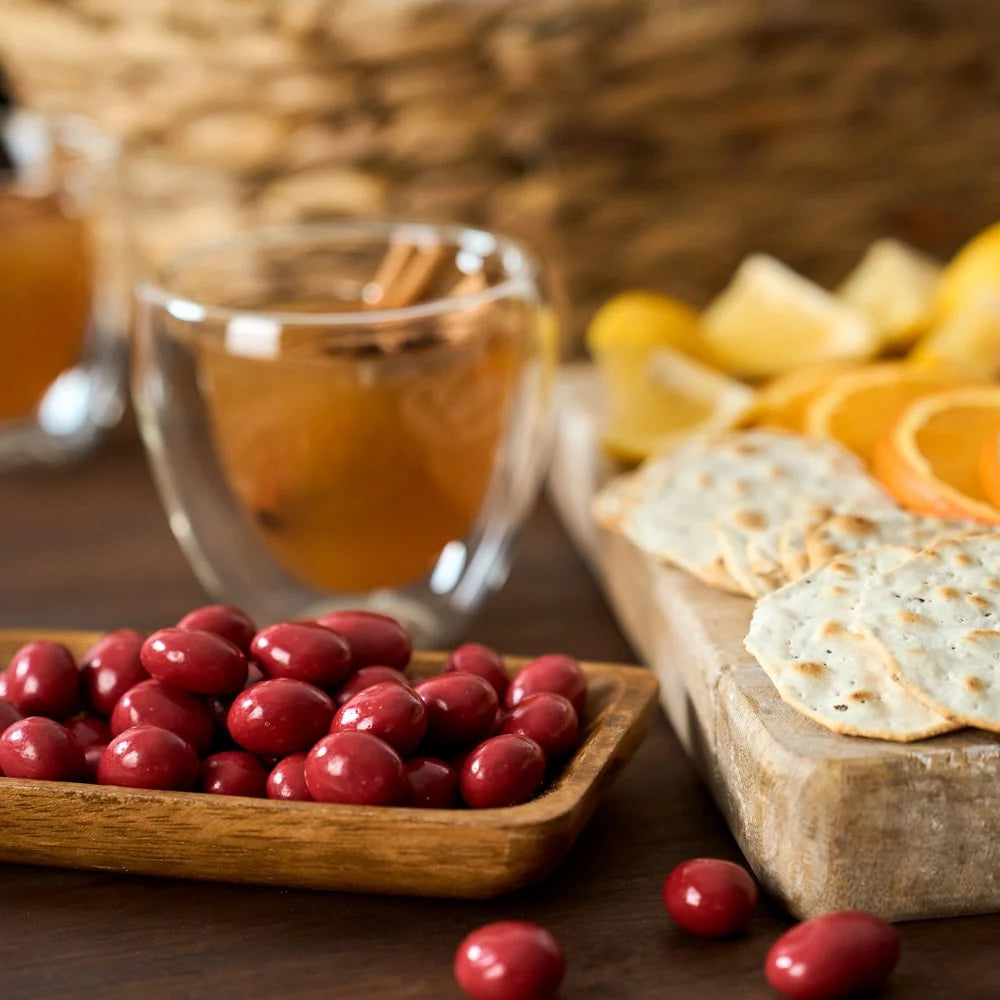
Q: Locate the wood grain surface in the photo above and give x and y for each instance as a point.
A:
(88, 547)
(814, 811)
(466, 853)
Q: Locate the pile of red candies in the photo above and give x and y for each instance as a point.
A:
(318, 710)
(837, 955)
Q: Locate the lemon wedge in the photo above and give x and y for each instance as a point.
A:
(770, 320)
(660, 397)
(973, 270)
(642, 321)
(967, 343)
(894, 287)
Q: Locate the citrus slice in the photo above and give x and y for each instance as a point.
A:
(782, 401)
(929, 460)
(968, 341)
(893, 286)
(770, 320)
(974, 269)
(661, 397)
(989, 467)
(642, 321)
(859, 406)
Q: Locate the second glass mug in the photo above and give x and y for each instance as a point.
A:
(348, 415)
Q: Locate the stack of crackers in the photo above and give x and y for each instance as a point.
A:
(869, 620)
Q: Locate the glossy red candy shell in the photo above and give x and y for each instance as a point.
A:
(390, 711)
(710, 897)
(373, 638)
(356, 768)
(279, 717)
(510, 960)
(200, 662)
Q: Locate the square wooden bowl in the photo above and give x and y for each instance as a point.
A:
(422, 852)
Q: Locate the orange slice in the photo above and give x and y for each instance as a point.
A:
(859, 406)
(930, 459)
(989, 467)
(782, 401)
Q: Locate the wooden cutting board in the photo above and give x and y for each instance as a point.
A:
(826, 821)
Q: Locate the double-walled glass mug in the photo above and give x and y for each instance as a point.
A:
(348, 415)
(62, 294)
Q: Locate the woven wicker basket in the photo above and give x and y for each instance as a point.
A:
(638, 142)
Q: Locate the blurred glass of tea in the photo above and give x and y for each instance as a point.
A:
(62, 288)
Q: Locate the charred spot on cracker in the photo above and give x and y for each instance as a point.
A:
(837, 590)
(749, 519)
(981, 633)
(831, 628)
(949, 593)
(964, 559)
(840, 708)
(861, 696)
(705, 480)
(973, 684)
(842, 568)
(908, 617)
(809, 668)
(992, 583)
(978, 601)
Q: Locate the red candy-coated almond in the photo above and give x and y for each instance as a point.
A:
(110, 667)
(461, 709)
(556, 673)
(42, 749)
(225, 620)
(837, 955)
(42, 679)
(302, 651)
(549, 719)
(356, 768)
(148, 757)
(288, 780)
(367, 677)
(504, 771)
(710, 897)
(89, 730)
(510, 960)
(373, 638)
(201, 662)
(433, 783)
(390, 711)
(472, 658)
(279, 717)
(153, 703)
(233, 772)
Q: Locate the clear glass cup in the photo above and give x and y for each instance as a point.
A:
(348, 415)
(63, 294)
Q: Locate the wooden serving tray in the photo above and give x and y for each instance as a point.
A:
(826, 821)
(422, 852)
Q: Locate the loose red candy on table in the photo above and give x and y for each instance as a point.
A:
(373, 638)
(837, 955)
(549, 719)
(506, 770)
(42, 749)
(510, 960)
(554, 672)
(89, 730)
(287, 779)
(461, 709)
(225, 620)
(153, 703)
(473, 658)
(42, 679)
(279, 717)
(356, 768)
(148, 757)
(200, 662)
(433, 783)
(110, 667)
(233, 772)
(710, 897)
(367, 677)
(303, 652)
(390, 711)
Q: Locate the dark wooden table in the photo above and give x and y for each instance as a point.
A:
(88, 547)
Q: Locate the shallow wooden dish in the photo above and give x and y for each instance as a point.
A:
(422, 852)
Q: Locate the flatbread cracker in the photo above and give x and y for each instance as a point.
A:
(938, 617)
(792, 548)
(843, 533)
(803, 637)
